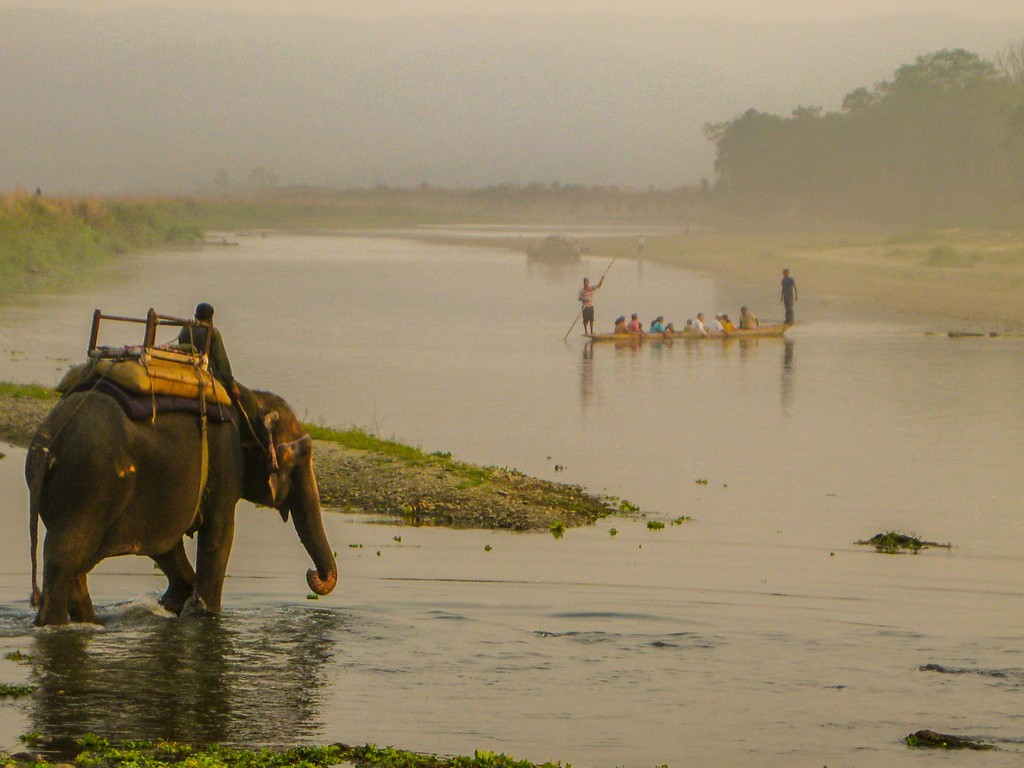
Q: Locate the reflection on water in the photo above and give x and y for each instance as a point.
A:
(587, 377)
(786, 390)
(247, 677)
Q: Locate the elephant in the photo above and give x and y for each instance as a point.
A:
(106, 485)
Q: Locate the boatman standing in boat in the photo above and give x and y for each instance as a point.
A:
(587, 300)
(788, 295)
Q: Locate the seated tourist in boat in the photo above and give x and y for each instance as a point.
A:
(716, 324)
(748, 320)
(620, 324)
(634, 325)
(726, 323)
(698, 325)
(657, 325)
(670, 328)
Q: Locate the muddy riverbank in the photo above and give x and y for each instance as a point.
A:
(389, 479)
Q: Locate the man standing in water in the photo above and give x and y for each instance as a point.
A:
(587, 300)
(788, 295)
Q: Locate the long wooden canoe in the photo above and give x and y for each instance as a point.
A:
(763, 331)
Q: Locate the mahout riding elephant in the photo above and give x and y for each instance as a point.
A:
(105, 485)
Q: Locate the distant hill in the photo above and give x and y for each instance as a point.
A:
(163, 100)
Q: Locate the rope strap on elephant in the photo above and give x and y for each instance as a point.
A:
(204, 461)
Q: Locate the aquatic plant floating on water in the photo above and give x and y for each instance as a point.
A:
(927, 739)
(655, 525)
(557, 529)
(894, 542)
(8, 691)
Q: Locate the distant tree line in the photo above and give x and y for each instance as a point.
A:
(942, 143)
(535, 202)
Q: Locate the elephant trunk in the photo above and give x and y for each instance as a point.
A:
(305, 508)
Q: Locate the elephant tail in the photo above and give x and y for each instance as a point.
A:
(37, 464)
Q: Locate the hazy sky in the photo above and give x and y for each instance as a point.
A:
(109, 95)
(735, 9)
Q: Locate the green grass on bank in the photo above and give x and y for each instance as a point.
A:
(98, 752)
(358, 439)
(46, 243)
(32, 391)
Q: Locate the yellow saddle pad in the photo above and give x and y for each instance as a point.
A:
(153, 372)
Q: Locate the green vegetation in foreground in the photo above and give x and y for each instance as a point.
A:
(894, 542)
(8, 691)
(34, 391)
(98, 752)
(46, 242)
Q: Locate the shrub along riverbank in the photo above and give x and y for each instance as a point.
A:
(358, 472)
(45, 243)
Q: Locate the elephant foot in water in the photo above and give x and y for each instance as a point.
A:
(194, 606)
(181, 578)
(174, 599)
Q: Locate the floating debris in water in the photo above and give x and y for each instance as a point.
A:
(894, 542)
(927, 739)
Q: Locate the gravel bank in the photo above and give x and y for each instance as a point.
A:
(436, 492)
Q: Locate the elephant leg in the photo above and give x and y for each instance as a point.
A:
(80, 603)
(53, 604)
(67, 558)
(212, 553)
(181, 578)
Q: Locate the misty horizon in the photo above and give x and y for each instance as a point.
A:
(162, 100)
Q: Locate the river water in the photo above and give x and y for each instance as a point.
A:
(754, 633)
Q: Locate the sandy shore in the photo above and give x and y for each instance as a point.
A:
(954, 279)
(970, 280)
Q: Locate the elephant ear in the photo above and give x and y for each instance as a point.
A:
(287, 456)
